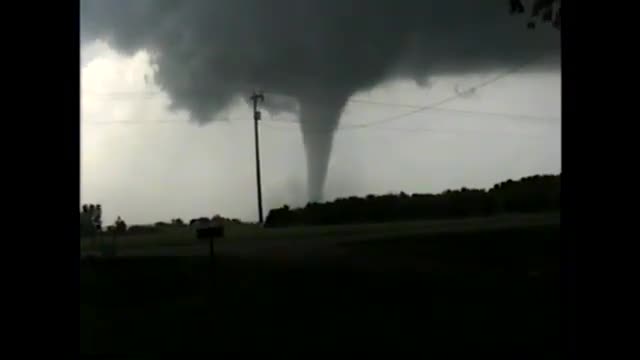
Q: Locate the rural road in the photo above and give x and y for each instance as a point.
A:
(325, 241)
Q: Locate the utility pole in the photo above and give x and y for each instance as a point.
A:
(256, 116)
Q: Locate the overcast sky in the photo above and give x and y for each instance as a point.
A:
(146, 163)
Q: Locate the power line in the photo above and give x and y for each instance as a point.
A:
(462, 111)
(120, 122)
(296, 122)
(478, 112)
(458, 94)
(121, 93)
(443, 101)
(433, 106)
(420, 130)
(456, 131)
(291, 128)
(417, 109)
(132, 122)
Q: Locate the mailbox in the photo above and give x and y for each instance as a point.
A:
(210, 232)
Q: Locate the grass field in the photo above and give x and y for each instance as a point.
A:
(254, 233)
(494, 290)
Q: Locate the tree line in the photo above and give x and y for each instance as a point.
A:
(91, 223)
(537, 193)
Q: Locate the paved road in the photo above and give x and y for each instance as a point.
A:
(325, 243)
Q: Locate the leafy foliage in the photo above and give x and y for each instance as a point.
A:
(530, 194)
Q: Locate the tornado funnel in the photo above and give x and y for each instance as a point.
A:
(318, 120)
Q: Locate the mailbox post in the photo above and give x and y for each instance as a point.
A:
(210, 233)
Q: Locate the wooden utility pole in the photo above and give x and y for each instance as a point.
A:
(256, 116)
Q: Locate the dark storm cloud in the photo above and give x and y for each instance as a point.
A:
(318, 52)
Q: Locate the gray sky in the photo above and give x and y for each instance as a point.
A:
(317, 53)
(147, 163)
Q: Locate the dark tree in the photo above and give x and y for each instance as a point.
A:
(530, 194)
(161, 224)
(541, 9)
(120, 225)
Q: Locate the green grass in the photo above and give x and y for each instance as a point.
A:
(480, 295)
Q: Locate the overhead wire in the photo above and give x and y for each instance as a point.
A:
(416, 108)
(417, 130)
(462, 111)
(443, 101)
